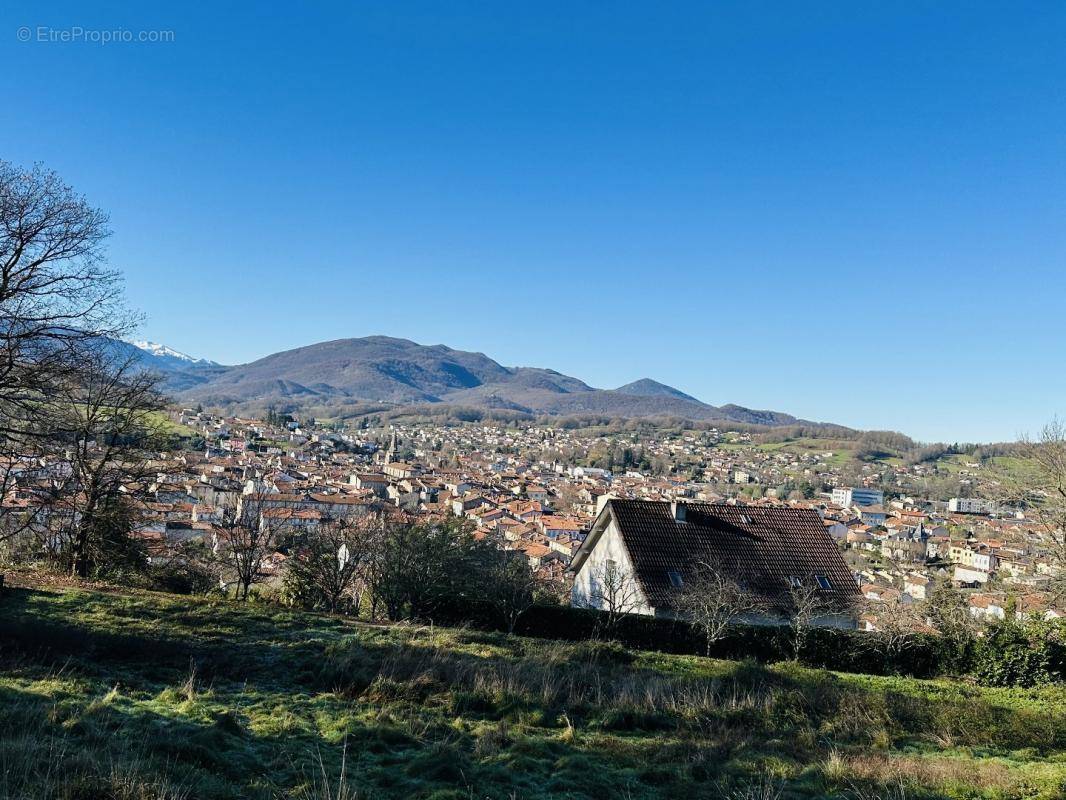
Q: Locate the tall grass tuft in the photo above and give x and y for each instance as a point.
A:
(325, 786)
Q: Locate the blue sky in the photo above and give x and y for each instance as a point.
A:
(848, 211)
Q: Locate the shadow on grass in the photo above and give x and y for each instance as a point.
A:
(52, 748)
(29, 624)
(536, 719)
(582, 679)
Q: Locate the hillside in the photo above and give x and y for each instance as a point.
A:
(382, 369)
(646, 387)
(144, 695)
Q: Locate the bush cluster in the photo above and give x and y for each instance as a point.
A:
(1009, 654)
(834, 648)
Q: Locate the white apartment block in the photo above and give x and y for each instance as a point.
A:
(848, 496)
(970, 505)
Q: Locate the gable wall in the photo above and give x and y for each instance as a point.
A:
(608, 546)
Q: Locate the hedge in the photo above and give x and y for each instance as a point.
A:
(831, 648)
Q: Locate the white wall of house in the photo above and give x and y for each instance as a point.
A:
(915, 588)
(965, 574)
(838, 531)
(991, 612)
(586, 591)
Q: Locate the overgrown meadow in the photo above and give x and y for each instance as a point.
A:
(146, 696)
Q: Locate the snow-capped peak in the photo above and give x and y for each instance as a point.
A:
(162, 351)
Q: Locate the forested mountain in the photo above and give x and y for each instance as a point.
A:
(387, 370)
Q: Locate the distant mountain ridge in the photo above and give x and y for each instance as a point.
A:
(388, 370)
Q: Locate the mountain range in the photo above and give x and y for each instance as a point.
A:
(397, 372)
(168, 355)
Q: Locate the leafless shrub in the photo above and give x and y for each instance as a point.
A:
(614, 591)
(713, 599)
(805, 604)
(243, 540)
(1042, 488)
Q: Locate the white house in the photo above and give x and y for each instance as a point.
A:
(648, 550)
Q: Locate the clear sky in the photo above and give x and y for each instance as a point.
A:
(849, 211)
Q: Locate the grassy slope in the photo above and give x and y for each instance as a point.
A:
(842, 451)
(167, 425)
(138, 695)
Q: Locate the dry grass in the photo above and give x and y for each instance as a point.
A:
(327, 786)
(283, 705)
(38, 763)
(929, 771)
(562, 677)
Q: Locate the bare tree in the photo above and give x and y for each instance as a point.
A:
(58, 301)
(805, 604)
(243, 540)
(712, 600)
(947, 612)
(614, 591)
(898, 623)
(1043, 488)
(103, 417)
(327, 565)
(376, 527)
(513, 587)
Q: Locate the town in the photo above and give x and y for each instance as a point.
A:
(537, 490)
(532, 401)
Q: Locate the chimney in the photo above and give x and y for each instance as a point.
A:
(602, 501)
(678, 510)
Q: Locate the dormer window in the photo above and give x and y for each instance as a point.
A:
(823, 582)
(675, 578)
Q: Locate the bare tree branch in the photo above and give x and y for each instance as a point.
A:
(712, 600)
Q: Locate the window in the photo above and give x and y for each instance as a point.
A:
(794, 582)
(675, 578)
(823, 581)
(745, 519)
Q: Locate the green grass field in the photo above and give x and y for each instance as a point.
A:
(150, 696)
(167, 425)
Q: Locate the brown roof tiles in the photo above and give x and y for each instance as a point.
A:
(766, 546)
